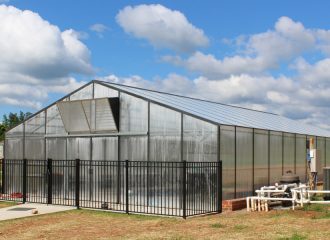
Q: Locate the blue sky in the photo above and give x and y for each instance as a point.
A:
(266, 55)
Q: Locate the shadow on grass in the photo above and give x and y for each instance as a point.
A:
(124, 215)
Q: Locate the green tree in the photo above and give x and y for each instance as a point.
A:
(11, 120)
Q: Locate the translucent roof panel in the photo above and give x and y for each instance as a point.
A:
(222, 113)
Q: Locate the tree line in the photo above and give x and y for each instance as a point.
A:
(11, 120)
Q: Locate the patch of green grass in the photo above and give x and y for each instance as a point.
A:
(218, 225)
(324, 215)
(317, 198)
(240, 227)
(294, 236)
(279, 214)
(4, 204)
(322, 209)
(316, 207)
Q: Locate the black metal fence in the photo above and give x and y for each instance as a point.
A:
(162, 188)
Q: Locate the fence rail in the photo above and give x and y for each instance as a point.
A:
(162, 188)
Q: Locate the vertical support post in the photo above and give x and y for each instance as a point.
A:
(235, 145)
(184, 189)
(91, 170)
(24, 180)
(127, 186)
(148, 154)
(219, 170)
(23, 148)
(306, 164)
(77, 182)
(268, 157)
(181, 160)
(50, 181)
(45, 139)
(3, 166)
(317, 174)
(282, 153)
(325, 151)
(119, 158)
(253, 158)
(295, 153)
(3, 176)
(118, 173)
(181, 140)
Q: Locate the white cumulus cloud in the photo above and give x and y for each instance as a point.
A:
(37, 58)
(162, 27)
(259, 53)
(99, 29)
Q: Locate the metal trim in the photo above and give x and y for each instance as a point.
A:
(132, 134)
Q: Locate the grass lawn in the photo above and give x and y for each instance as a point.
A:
(6, 204)
(308, 223)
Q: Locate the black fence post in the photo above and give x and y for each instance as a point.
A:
(184, 189)
(24, 180)
(118, 180)
(127, 186)
(3, 176)
(77, 182)
(50, 181)
(219, 183)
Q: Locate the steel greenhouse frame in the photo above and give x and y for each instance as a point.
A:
(241, 137)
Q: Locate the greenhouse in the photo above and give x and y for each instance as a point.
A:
(151, 151)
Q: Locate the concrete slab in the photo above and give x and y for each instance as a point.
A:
(16, 211)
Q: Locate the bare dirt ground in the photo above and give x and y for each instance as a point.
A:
(309, 223)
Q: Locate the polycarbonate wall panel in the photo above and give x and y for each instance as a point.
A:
(227, 156)
(14, 148)
(17, 131)
(275, 157)
(260, 158)
(34, 137)
(133, 114)
(199, 140)
(35, 149)
(56, 148)
(288, 160)
(101, 91)
(85, 93)
(165, 134)
(35, 126)
(301, 162)
(133, 148)
(321, 148)
(244, 162)
(78, 148)
(54, 122)
(105, 148)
